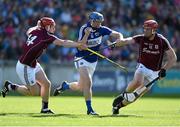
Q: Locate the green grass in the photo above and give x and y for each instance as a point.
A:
(71, 111)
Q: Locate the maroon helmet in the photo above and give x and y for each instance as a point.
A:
(45, 21)
(150, 24)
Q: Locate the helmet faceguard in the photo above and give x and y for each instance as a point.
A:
(96, 16)
(150, 24)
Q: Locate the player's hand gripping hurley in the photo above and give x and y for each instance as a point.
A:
(101, 49)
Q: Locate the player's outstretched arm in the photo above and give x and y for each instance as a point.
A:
(124, 41)
(69, 43)
(116, 35)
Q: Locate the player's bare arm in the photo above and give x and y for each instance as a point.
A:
(171, 59)
(87, 31)
(116, 35)
(85, 38)
(86, 35)
(124, 41)
(69, 43)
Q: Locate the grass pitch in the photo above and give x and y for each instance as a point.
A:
(71, 111)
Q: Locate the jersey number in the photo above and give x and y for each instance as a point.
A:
(31, 39)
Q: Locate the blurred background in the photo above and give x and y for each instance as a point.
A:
(125, 16)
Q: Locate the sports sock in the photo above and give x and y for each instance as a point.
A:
(44, 105)
(121, 105)
(12, 86)
(65, 86)
(88, 104)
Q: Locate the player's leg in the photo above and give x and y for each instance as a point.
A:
(74, 86)
(82, 66)
(85, 85)
(137, 81)
(87, 88)
(130, 97)
(85, 82)
(86, 71)
(9, 86)
(121, 100)
(150, 75)
(45, 86)
(136, 88)
(32, 89)
(27, 76)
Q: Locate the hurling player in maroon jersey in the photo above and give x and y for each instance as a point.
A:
(152, 47)
(30, 72)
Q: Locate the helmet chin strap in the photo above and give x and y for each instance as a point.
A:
(94, 28)
(150, 37)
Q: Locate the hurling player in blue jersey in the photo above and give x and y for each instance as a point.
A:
(87, 65)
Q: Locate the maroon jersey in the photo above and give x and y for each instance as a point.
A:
(151, 51)
(38, 40)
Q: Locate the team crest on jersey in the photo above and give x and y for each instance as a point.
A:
(156, 46)
(150, 46)
(97, 34)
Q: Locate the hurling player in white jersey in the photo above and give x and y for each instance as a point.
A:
(87, 65)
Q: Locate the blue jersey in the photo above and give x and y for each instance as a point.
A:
(93, 42)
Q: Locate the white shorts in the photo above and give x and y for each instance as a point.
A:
(27, 74)
(83, 63)
(148, 73)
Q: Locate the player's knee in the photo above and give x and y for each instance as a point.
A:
(33, 90)
(79, 86)
(137, 84)
(47, 84)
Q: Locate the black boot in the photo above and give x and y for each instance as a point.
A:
(117, 104)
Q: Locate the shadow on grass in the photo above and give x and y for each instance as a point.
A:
(17, 114)
(57, 115)
(39, 115)
(121, 115)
